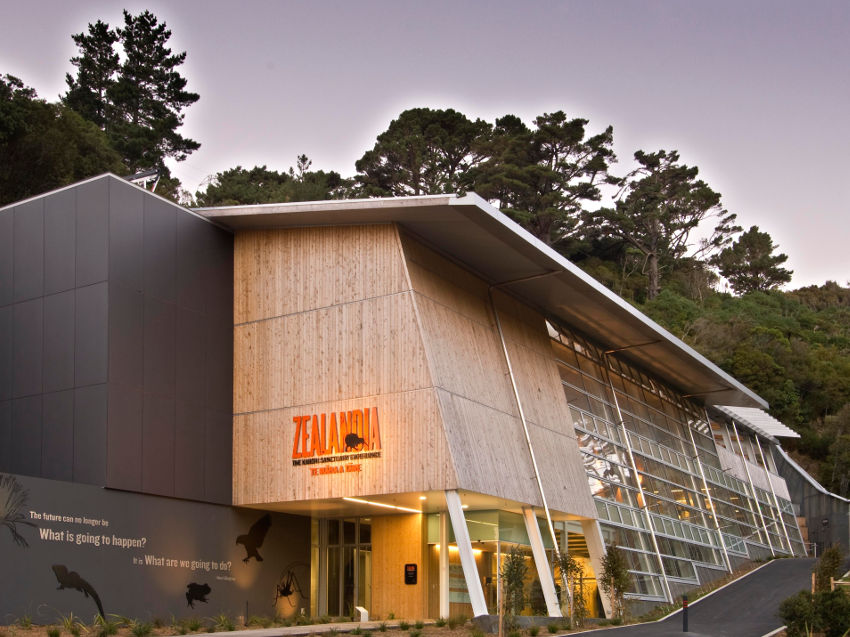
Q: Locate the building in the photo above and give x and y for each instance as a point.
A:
(293, 408)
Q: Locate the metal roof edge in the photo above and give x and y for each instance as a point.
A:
(473, 199)
(807, 477)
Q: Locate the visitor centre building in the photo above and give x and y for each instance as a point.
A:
(308, 408)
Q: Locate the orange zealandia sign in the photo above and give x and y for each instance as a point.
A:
(336, 437)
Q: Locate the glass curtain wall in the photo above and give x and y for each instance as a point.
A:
(660, 481)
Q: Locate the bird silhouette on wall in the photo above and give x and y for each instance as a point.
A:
(13, 503)
(254, 538)
(73, 580)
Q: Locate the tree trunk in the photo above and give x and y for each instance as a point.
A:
(654, 285)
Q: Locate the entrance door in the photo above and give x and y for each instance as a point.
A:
(348, 550)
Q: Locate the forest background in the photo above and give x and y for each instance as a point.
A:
(657, 235)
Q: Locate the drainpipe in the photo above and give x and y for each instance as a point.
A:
(525, 422)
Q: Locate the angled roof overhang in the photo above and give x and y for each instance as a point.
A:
(476, 235)
(758, 421)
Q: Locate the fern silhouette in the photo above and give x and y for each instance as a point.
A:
(13, 503)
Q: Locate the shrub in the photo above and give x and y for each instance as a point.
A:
(828, 566)
(827, 612)
(476, 632)
(415, 633)
(457, 620)
(53, 632)
(382, 627)
(403, 625)
(441, 621)
(105, 627)
(419, 625)
(357, 631)
(141, 629)
(533, 630)
(552, 628)
(222, 622)
(515, 633)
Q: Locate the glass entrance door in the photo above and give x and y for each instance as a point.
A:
(347, 546)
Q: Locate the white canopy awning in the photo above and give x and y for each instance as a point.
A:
(758, 421)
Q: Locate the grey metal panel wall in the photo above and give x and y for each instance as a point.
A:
(116, 355)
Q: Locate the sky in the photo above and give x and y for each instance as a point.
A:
(754, 93)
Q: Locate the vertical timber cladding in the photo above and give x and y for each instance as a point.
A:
(479, 410)
(325, 342)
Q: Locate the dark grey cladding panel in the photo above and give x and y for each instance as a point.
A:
(126, 335)
(92, 256)
(219, 275)
(6, 351)
(219, 376)
(5, 435)
(158, 424)
(126, 235)
(191, 355)
(160, 325)
(28, 251)
(124, 464)
(27, 335)
(7, 252)
(218, 470)
(57, 461)
(91, 312)
(26, 436)
(60, 241)
(160, 245)
(59, 341)
(90, 408)
(193, 261)
(189, 451)
(201, 538)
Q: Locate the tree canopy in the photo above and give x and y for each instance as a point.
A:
(139, 102)
(422, 152)
(258, 185)
(543, 177)
(661, 203)
(750, 264)
(45, 146)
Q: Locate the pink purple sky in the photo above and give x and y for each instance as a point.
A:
(755, 93)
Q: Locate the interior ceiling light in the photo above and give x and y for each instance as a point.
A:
(381, 504)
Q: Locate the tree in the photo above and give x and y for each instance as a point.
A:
(750, 264)
(661, 203)
(45, 146)
(615, 579)
(422, 152)
(514, 570)
(97, 66)
(258, 185)
(573, 574)
(140, 102)
(542, 178)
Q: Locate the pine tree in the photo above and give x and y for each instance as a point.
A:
(750, 263)
(97, 66)
(138, 103)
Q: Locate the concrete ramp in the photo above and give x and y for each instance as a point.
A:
(746, 608)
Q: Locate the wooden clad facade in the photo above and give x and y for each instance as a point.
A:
(330, 320)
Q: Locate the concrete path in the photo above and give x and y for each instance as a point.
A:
(745, 608)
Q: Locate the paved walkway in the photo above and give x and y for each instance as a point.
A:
(746, 608)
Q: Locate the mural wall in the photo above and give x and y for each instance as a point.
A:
(75, 548)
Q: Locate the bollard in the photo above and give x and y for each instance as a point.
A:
(684, 613)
